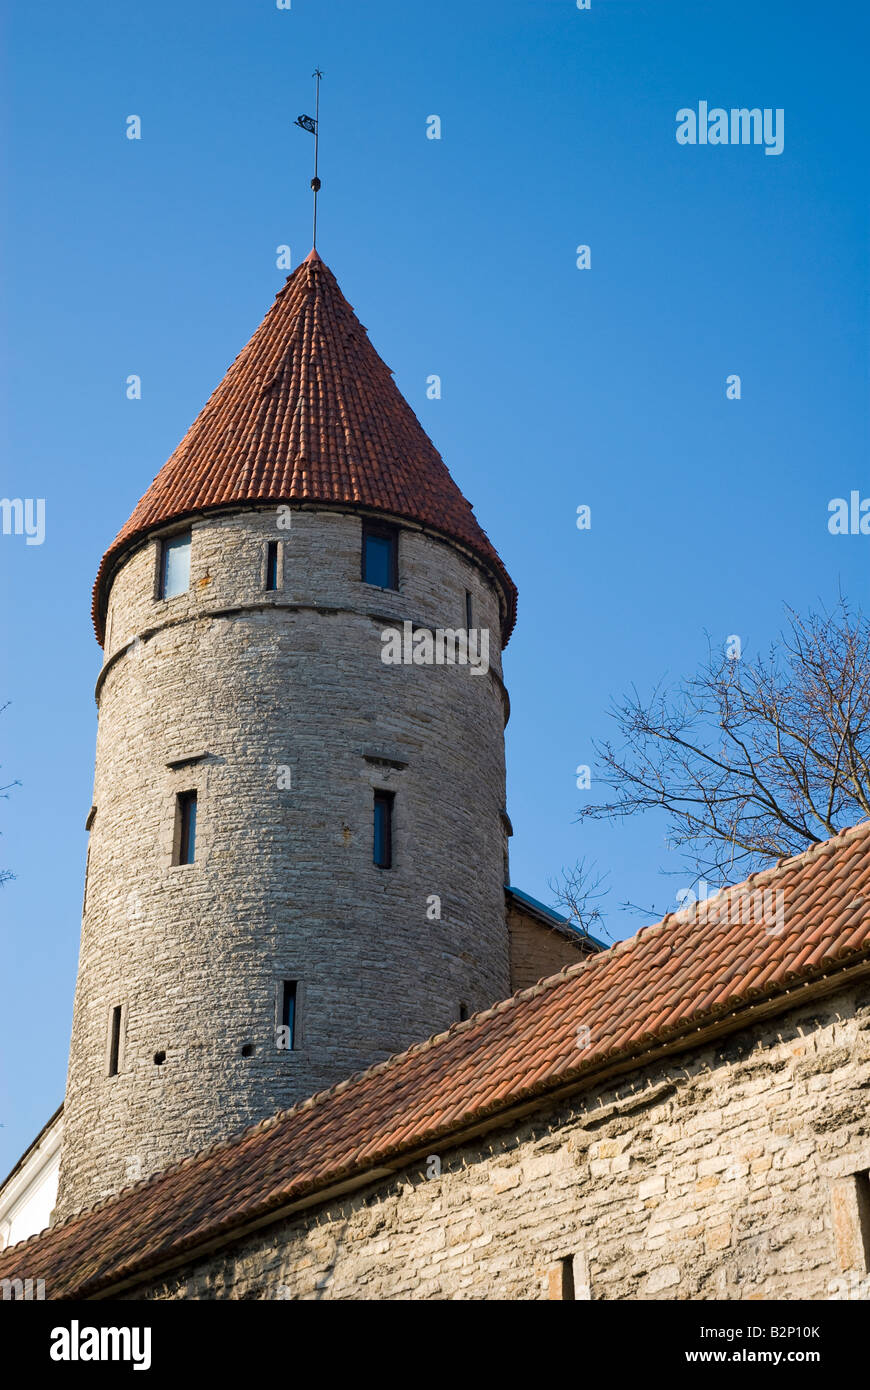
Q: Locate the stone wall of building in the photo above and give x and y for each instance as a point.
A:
(537, 952)
(277, 709)
(738, 1171)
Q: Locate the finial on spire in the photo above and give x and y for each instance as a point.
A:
(312, 125)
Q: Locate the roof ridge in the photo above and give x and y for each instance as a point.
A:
(785, 864)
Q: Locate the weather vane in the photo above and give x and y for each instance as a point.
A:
(312, 125)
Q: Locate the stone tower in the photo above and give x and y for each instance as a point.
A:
(298, 837)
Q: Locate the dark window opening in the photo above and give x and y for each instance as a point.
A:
(383, 830)
(115, 1041)
(562, 1279)
(85, 892)
(463, 1012)
(272, 565)
(862, 1186)
(288, 1015)
(159, 1058)
(186, 828)
(247, 1049)
(175, 565)
(380, 556)
(469, 611)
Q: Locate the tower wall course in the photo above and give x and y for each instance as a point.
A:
(217, 690)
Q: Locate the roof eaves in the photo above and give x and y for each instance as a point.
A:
(550, 918)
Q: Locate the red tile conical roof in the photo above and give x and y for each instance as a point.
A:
(308, 412)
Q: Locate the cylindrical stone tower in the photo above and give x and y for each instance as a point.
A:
(298, 836)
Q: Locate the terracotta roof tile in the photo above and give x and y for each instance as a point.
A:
(516, 1051)
(309, 412)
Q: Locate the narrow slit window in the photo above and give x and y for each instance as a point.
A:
(272, 555)
(383, 830)
(561, 1279)
(469, 611)
(380, 556)
(85, 892)
(862, 1192)
(288, 1015)
(114, 1040)
(186, 828)
(175, 565)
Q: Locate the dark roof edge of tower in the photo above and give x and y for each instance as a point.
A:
(308, 413)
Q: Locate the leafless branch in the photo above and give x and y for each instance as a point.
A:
(751, 760)
(577, 891)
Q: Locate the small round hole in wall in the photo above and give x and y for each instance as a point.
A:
(248, 1050)
(159, 1058)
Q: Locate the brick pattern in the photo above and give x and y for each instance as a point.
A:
(538, 951)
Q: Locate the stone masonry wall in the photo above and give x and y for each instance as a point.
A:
(537, 952)
(218, 690)
(728, 1173)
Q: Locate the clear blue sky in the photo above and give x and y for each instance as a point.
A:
(560, 386)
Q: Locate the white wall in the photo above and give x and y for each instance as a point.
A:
(28, 1196)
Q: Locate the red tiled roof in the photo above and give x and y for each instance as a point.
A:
(308, 412)
(669, 988)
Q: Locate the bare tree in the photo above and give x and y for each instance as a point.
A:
(751, 760)
(578, 891)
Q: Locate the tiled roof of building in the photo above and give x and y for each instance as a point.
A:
(763, 947)
(308, 412)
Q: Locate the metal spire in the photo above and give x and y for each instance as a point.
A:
(312, 125)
